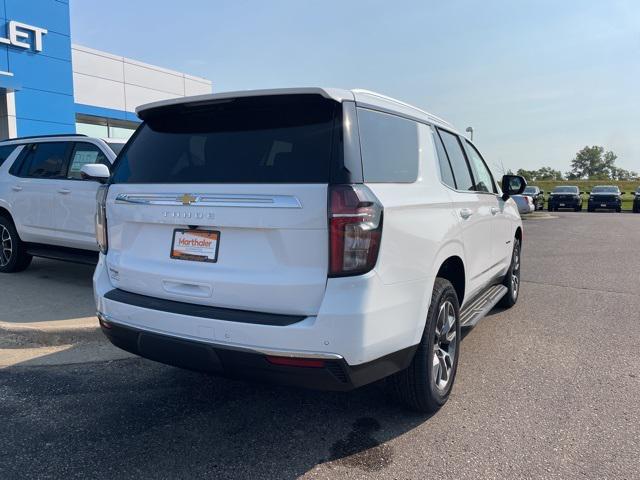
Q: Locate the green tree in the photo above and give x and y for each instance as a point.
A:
(587, 163)
(595, 164)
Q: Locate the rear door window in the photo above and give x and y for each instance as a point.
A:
(275, 139)
(389, 146)
(458, 161)
(45, 160)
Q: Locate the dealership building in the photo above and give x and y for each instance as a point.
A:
(48, 85)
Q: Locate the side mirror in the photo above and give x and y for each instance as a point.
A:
(623, 193)
(95, 172)
(512, 185)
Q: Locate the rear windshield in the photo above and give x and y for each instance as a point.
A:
(605, 190)
(275, 139)
(566, 190)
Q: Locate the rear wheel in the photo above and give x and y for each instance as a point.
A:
(426, 383)
(13, 257)
(619, 209)
(512, 278)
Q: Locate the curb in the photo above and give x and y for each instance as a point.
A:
(25, 335)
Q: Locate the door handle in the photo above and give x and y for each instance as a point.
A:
(466, 213)
(64, 191)
(16, 188)
(495, 210)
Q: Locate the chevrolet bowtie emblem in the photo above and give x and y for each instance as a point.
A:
(187, 199)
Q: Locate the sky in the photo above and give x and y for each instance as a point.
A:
(537, 80)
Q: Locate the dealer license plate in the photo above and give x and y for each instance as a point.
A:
(195, 245)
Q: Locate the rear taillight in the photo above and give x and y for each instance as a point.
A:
(101, 218)
(355, 230)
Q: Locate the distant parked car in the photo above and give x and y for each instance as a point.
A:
(636, 201)
(605, 197)
(525, 203)
(536, 195)
(565, 197)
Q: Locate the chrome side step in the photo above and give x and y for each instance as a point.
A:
(483, 303)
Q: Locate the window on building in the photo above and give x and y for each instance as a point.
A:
(101, 127)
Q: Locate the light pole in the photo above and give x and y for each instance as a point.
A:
(470, 131)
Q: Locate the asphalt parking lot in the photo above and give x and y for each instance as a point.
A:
(548, 389)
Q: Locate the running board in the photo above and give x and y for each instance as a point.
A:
(477, 309)
(86, 257)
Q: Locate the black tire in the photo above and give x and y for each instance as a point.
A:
(13, 256)
(550, 209)
(420, 386)
(512, 278)
(589, 209)
(619, 209)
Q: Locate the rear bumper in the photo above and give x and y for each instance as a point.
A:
(564, 203)
(361, 320)
(604, 205)
(327, 374)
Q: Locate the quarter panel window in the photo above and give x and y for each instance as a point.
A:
(389, 146)
(45, 160)
(5, 152)
(458, 161)
(84, 154)
(482, 174)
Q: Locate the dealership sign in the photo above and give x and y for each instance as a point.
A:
(20, 34)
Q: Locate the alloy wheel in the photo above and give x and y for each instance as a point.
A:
(445, 345)
(7, 246)
(515, 274)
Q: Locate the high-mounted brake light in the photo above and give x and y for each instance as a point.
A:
(355, 230)
(101, 218)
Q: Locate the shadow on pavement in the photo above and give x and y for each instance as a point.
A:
(136, 418)
(47, 291)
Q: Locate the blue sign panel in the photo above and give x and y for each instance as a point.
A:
(35, 63)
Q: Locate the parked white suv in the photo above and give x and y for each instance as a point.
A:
(317, 237)
(47, 208)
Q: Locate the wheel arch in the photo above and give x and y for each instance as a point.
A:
(452, 269)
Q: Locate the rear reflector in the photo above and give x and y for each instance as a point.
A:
(295, 362)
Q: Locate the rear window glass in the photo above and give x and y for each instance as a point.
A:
(275, 139)
(389, 146)
(605, 190)
(5, 152)
(566, 190)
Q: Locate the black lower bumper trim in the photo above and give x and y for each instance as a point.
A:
(203, 311)
(335, 375)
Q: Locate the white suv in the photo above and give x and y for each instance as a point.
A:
(47, 205)
(317, 237)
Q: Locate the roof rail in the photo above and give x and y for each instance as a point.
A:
(44, 136)
(394, 100)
